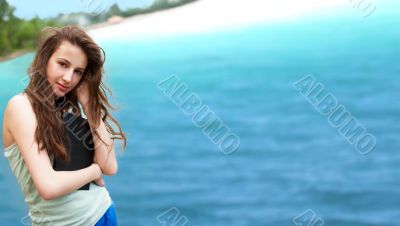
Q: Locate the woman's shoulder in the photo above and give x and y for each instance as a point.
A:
(18, 98)
(19, 103)
(18, 108)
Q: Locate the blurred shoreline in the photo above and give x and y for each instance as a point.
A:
(207, 16)
(14, 55)
(199, 17)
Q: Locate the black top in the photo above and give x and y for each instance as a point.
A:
(81, 146)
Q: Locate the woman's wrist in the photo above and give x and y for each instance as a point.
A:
(97, 171)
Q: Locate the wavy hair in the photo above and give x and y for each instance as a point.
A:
(44, 102)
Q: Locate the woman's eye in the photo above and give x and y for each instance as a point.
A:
(79, 73)
(63, 65)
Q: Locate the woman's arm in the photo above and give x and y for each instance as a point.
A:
(21, 122)
(106, 160)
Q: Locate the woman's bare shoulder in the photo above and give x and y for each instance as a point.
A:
(18, 104)
(18, 99)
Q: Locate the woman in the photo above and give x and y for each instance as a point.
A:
(68, 65)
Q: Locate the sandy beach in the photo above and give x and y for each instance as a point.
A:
(210, 15)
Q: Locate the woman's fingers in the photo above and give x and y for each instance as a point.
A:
(100, 182)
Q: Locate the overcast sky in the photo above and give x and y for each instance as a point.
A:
(44, 8)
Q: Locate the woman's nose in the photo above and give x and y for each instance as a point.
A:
(68, 76)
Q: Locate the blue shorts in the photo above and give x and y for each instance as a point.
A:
(109, 218)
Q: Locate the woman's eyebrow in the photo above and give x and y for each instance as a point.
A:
(70, 63)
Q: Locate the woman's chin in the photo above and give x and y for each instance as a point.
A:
(59, 93)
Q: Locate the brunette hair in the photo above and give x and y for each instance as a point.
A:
(49, 129)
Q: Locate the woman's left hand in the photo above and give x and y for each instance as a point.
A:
(82, 93)
(100, 182)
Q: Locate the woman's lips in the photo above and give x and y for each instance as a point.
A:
(61, 87)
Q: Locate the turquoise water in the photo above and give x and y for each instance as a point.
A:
(290, 159)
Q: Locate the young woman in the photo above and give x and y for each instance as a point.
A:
(68, 65)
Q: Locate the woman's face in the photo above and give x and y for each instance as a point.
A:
(65, 68)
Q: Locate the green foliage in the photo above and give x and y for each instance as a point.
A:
(114, 10)
(18, 34)
(6, 11)
(156, 6)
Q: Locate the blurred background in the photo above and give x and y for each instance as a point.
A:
(242, 59)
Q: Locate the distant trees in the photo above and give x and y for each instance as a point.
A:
(114, 11)
(19, 34)
(156, 6)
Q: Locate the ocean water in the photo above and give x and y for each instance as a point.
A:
(290, 159)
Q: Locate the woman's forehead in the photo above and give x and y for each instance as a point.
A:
(73, 54)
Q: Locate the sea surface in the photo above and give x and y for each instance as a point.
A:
(290, 162)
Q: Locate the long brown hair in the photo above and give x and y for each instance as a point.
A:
(43, 100)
